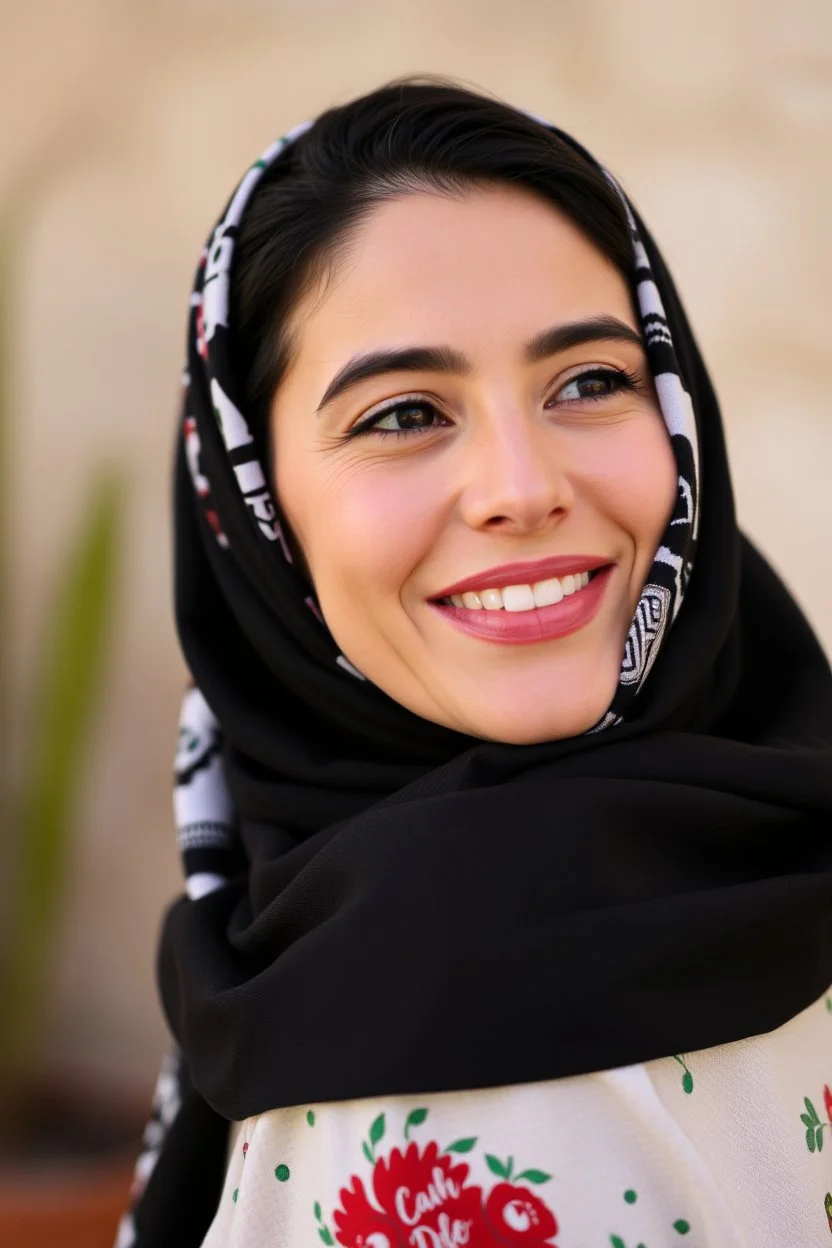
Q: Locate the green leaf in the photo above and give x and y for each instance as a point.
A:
(687, 1082)
(819, 1137)
(496, 1166)
(310, 1117)
(367, 1153)
(326, 1236)
(509, 1167)
(810, 1139)
(617, 1241)
(806, 1120)
(68, 685)
(462, 1146)
(810, 1107)
(318, 1212)
(414, 1119)
(534, 1176)
(681, 1226)
(377, 1129)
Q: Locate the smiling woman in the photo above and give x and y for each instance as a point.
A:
(503, 789)
(492, 431)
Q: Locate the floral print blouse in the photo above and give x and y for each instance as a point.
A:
(729, 1147)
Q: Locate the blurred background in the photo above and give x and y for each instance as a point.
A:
(126, 124)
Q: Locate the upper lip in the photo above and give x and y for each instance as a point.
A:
(525, 573)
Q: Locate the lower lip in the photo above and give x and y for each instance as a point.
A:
(515, 628)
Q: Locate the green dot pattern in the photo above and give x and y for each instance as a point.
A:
(310, 1117)
(282, 1173)
(681, 1226)
(630, 1196)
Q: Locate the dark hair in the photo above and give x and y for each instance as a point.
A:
(406, 136)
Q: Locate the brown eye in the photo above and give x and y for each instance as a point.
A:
(413, 416)
(597, 384)
(410, 416)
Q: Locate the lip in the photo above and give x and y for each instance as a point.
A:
(525, 573)
(528, 627)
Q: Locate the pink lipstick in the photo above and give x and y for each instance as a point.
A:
(542, 623)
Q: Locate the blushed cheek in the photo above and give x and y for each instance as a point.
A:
(634, 484)
(371, 531)
(650, 495)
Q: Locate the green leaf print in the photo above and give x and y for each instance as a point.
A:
(365, 1148)
(500, 1168)
(617, 1241)
(414, 1119)
(462, 1146)
(377, 1129)
(323, 1230)
(534, 1176)
(819, 1138)
(810, 1139)
(687, 1077)
(681, 1226)
(310, 1117)
(811, 1109)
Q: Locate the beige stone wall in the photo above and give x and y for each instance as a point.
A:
(127, 124)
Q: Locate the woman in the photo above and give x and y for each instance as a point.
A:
(509, 917)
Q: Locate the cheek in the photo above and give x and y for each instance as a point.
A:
(364, 529)
(634, 480)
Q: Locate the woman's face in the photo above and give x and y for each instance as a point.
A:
(470, 454)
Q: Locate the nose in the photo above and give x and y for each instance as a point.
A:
(517, 475)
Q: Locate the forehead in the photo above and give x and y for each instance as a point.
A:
(476, 270)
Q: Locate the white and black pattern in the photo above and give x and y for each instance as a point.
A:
(167, 1101)
(202, 804)
(645, 635)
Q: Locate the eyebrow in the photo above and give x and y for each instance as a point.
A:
(446, 360)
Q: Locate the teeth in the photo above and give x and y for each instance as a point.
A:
(547, 593)
(523, 597)
(518, 598)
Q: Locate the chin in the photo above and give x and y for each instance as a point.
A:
(538, 722)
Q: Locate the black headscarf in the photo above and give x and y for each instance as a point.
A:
(378, 905)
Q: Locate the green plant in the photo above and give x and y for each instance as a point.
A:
(37, 812)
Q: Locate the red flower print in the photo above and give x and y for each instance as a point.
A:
(426, 1192)
(427, 1201)
(518, 1217)
(360, 1225)
(827, 1102)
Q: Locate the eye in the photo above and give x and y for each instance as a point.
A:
(596, 383)
(408, 416)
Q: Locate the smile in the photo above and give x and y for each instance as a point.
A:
(524, 613)
(522, 597)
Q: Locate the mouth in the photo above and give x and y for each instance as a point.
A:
(525, 612)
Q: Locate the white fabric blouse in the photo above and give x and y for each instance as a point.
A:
(729, 1147)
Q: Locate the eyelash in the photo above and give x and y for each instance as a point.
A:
(625, 381)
